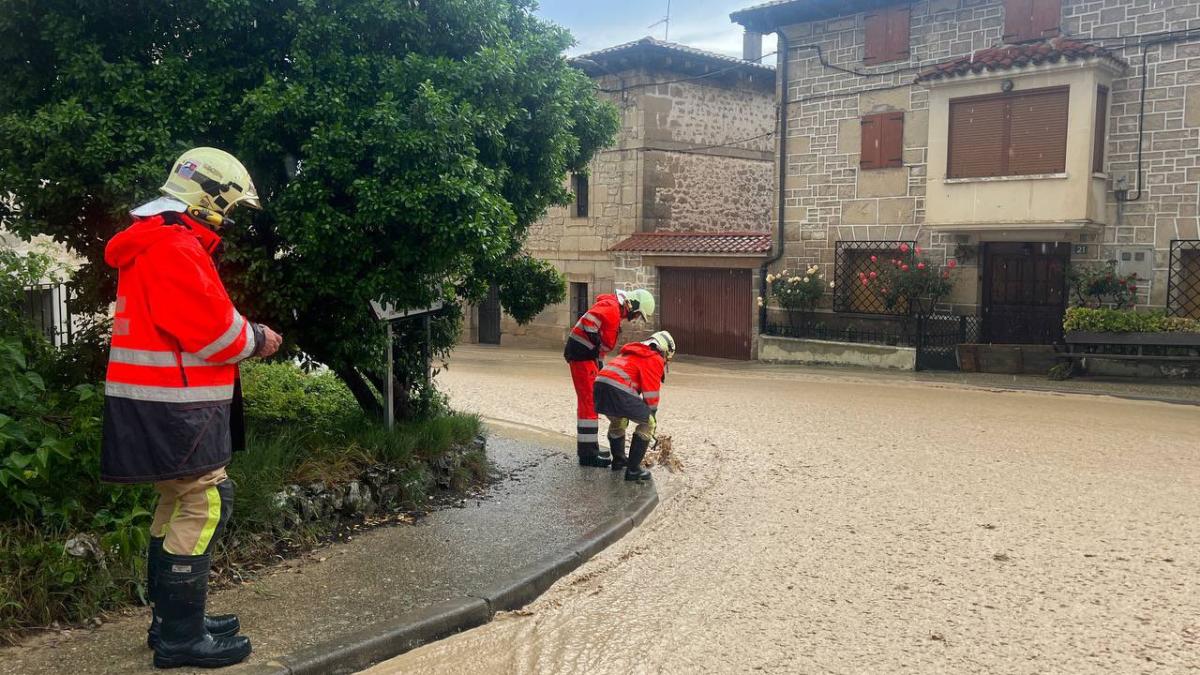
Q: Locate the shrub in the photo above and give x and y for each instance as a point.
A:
(283, 396)
(1125, 321)
(796, 292)
(909, 282)
(1099, 285)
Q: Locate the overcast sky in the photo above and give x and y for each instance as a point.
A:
(705, 24)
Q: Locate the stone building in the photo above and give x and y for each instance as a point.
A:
(1015, 137)
(680, 204)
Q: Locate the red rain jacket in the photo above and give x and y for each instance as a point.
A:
(595, 334)
(176, 342)
(638, 370)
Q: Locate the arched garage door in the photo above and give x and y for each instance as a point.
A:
(708, 310)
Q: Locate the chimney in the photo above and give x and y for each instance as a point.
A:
(752, 46)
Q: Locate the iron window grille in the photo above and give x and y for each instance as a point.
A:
(1183, 279)
(853, 257)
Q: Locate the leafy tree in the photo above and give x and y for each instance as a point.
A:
(402, 149)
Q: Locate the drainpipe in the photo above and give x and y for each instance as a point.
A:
(783, 164)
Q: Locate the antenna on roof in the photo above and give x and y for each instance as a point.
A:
(665, 22)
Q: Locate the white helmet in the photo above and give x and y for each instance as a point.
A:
(641, 301)
(211, 182)
(664, 343)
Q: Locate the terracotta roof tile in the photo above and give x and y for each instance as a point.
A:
(1017, 56)
(684, 243)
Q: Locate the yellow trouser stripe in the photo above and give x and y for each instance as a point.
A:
(210, 525)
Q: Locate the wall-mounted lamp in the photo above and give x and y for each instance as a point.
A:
(1121, 189)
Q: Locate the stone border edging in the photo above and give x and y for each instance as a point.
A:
(366, 647)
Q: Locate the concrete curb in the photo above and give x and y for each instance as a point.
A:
(382, 641)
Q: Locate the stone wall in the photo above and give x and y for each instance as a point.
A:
(667, 171)
(829, 199)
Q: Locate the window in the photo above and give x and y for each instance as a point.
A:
(1026, 20)
(853, 258)
(882, 141)
(1009, 134)
(887, 35)
(579, 301)
(1101, 118)
(579, 183)
(1183, 282)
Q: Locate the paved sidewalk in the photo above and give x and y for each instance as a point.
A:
(545, 504)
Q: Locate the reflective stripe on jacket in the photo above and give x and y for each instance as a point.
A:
(637, 371)
(595, 334)
(176, 342)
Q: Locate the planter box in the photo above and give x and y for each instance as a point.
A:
(1167, 339)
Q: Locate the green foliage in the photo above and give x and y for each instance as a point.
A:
(528, 285)
(402, 149)
(1100, 286)
(280, 395)
(909, 282)
(1091, 320)
(797, 292)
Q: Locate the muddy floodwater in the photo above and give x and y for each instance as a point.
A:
(832, 523)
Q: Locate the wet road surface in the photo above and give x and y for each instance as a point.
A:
(843, 524)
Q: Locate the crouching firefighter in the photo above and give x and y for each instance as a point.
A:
(170, 390)
(590, 340)
(627, 388)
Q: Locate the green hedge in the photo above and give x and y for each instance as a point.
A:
(1126, 321)
(282, 396)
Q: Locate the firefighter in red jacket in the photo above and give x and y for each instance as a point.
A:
(169, 394)
(627, 388)
(590, 340)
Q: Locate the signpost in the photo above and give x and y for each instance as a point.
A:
(389, 314)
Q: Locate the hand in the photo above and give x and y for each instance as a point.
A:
(271, 342)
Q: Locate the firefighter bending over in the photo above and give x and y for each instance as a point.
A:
(627, 388)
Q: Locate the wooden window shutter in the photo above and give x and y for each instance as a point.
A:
(892, 140)
(977, 143)
(870, 157)
(1101, 130)
(876, 46)
(1046, 17)
(899, 26)
(887, 35)
(1038, 132)
(1018, 20)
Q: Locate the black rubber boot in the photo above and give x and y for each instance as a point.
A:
(182, 593)
(619, 461)
(637, 452)
(221, 625)
(594, 460)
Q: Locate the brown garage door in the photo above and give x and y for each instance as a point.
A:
(708, 311)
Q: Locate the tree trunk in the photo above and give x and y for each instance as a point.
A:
(361, 390)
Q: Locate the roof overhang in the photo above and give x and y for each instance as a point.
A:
(1020, 231)
(771, 16)
(697, 244)
(651, 54)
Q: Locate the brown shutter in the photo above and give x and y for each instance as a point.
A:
(876, 47)
(1018, 20)
(1101, 130)
(899, 23)
(1045, 18)
(1038, 123)
(977, 138)
(870, 157)
(892, 140)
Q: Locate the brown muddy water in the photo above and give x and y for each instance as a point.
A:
(843, 524)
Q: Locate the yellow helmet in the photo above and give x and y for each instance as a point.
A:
(211, 182)
(664, 343)
(641, 301)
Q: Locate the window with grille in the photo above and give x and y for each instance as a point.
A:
(579, 183)
(1101, 118)
(1009, 134)
(1183, 281)
(853, 258)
